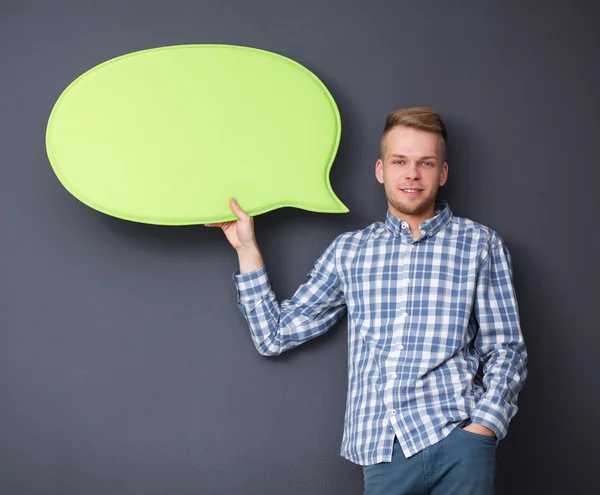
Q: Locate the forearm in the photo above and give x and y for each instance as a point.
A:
(277, 327)
(314, 308)
(260, 308)
(505, 373)
(250, 259)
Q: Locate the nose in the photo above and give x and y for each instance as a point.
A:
(412, 171)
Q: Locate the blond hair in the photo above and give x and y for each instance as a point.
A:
(421, 118)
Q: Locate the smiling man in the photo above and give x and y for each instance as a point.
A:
(436, 355)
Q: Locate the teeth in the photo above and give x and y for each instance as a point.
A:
(411, 190)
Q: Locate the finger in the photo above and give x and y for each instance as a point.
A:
(236, 209)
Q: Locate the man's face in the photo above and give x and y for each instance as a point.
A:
(411, 171)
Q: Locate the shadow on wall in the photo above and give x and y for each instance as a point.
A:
(530, 443)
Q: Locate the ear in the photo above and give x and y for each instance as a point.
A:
(444, 176)
(379, 171)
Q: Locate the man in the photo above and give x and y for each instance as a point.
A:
(436, 356)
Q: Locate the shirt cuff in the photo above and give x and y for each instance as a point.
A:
(252, 285)
(491, 416)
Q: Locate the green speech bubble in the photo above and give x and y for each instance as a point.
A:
(166, 136)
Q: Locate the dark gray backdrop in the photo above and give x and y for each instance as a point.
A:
(125, 367)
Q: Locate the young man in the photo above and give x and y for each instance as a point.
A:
(436, 356)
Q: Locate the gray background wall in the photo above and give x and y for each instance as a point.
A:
(125, 367)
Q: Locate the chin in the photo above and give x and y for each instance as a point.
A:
(412, 209)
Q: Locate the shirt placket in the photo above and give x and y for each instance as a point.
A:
(397, 352)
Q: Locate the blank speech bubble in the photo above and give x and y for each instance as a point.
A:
(166, 136)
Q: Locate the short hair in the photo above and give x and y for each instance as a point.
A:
(421, 118)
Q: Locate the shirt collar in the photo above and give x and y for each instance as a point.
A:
(429, 227)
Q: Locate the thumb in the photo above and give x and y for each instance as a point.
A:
(241, 214)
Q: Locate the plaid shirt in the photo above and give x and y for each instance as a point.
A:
(422, 316)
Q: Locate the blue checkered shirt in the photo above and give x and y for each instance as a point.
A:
(423, 315)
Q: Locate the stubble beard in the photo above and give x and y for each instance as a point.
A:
(415, 209)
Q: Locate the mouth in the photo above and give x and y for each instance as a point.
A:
(412, 191)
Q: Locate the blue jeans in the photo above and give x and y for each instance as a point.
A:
(463, 463)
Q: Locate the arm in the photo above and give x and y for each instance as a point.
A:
(274, 327)
(498, 342)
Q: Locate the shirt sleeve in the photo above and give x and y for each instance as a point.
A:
(315, 307)
(499, 342)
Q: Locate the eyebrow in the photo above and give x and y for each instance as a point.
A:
(432, 157)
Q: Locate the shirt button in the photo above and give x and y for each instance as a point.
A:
(430, 234)
(404, 225)
(393, 411)
(395, 375)
(401, 347)
(404, 315)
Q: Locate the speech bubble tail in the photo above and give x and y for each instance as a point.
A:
(334, 202)
(320, 199)
(335, 205)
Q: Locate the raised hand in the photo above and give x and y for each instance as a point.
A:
(241, 236)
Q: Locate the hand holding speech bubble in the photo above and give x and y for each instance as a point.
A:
(166, 136)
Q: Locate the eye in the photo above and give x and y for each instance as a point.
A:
(398, 162)
(428, 164)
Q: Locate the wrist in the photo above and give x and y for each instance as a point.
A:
(250, 259)
(482, 430)
(248, 252)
